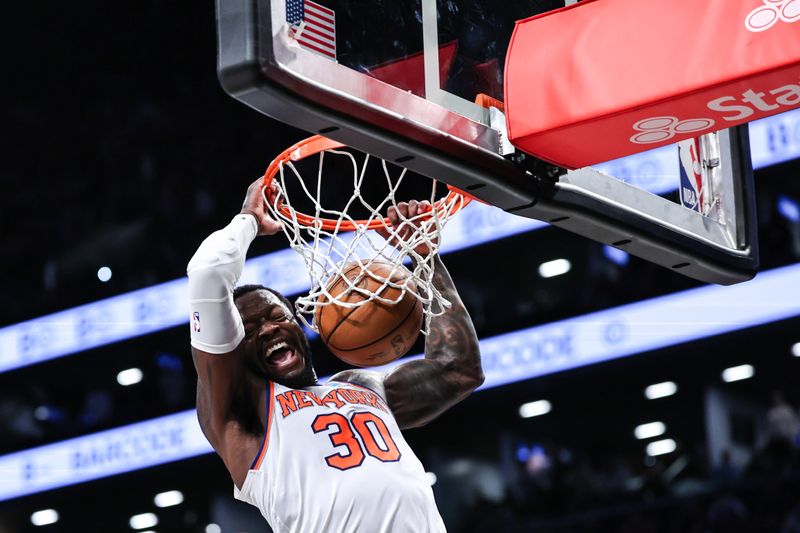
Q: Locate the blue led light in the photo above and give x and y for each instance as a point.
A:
(789, 209)
(115, 451)
(523, 453)
(775, 139)
(615, 255)
(169, 361)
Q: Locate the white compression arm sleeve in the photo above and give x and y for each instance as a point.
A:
(216, 326)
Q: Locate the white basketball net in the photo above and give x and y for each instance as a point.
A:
(326, 251)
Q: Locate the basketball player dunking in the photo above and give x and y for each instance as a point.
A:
(316, 457)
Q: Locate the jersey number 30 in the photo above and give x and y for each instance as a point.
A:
(364, 423)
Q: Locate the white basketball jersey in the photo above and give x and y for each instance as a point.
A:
(333, 460)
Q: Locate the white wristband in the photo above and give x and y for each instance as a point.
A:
(216, 326)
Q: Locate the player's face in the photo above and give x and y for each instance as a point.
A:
(275, 346)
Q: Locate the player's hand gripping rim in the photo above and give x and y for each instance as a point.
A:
(406, 225)
(255, 204)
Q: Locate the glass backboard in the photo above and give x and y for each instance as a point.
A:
(400, 80)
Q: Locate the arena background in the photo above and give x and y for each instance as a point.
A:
(121, 150)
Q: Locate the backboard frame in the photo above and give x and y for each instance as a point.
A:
(263, 70)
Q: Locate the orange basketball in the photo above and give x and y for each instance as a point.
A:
(374, 333)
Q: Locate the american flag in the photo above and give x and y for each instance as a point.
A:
(313, 26)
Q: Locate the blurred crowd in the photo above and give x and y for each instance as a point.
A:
(554, 489)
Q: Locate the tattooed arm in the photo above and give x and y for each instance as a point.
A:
(421, 390)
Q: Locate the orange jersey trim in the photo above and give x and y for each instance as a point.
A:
(270, 393)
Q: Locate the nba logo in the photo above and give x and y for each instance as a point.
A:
(691, 171)
(196, 322)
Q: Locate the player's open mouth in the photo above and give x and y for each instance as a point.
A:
(280, 355)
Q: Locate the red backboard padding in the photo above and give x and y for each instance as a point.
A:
(607, 78)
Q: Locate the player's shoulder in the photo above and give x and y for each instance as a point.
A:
(364, 378)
